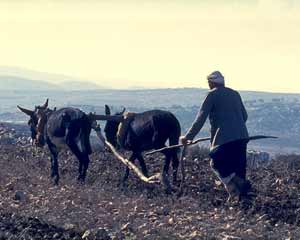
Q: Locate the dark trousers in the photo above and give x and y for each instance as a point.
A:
(231, 158)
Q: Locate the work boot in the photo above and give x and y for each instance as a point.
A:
(243, 185)
(232, 189)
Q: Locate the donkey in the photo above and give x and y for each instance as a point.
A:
(147, 130)
(64, 128)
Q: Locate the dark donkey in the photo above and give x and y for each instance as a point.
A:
(66, 127)
(146, 131)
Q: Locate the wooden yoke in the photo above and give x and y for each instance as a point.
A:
(117, 118)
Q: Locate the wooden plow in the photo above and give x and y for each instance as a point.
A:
(153, 179)
(182, 156)
(156, 178)
(202, 140)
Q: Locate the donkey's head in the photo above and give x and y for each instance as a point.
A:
(111, 127)
(37, 122)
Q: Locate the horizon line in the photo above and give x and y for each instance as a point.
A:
(134, 87)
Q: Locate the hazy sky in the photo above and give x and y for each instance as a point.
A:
(158, 43)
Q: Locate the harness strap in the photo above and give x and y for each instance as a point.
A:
(42, 130)
(124, 127)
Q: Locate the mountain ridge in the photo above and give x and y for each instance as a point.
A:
(8, 82)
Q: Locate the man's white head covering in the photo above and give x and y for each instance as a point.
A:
(216, 77)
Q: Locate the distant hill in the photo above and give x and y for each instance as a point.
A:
(14, 78)
(19, 83)
(24, 84)
(36, 75)
(79, 86)
(269, 113)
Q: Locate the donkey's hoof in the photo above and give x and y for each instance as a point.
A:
(176, 183)
(169, 191)
(55, 180)
(123, 185)
(80, 179)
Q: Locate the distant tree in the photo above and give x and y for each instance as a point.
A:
(176, 106)
(276, 99)
(261, 100)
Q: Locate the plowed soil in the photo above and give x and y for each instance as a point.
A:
(31, 207)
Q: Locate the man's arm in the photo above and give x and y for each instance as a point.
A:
(200, 118)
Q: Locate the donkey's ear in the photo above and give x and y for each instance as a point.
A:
(26, 111)
(45, 104)
(124, 109)
(107, 110)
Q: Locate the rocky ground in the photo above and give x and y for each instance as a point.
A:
(32, 208)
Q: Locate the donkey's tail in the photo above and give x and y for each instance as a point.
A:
(86, 131)
(174, 136)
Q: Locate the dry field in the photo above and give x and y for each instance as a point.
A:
(32, 208)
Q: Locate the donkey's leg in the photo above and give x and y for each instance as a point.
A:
(76, 151)
(165, 174)
(85, 162)
(174, 140)
(175, 164)
(159, 143)
(85, 151)
(142, 164)
(54, 162)
(126, 175)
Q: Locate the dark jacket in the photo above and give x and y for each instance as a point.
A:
(227, 116)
